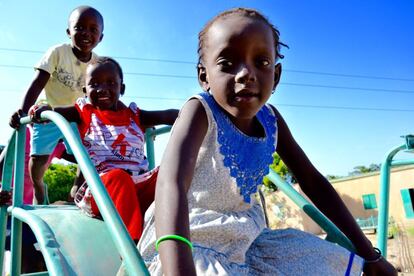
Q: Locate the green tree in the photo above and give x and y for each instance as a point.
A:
(59, 179)
(358, 170)
(280, 168)
(332, 177)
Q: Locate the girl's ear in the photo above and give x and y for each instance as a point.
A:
(100, 39)
(122, 91)
(68, 32)
(202, 77)
(278, 73)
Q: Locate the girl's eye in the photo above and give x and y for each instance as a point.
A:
(78, 28)
(225, 63)
(263, 62)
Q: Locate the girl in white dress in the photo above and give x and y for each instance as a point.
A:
(220, 149)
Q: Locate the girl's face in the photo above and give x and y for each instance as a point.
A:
(239, 61)
(103, 86)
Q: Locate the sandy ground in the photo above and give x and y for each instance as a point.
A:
(400, 250)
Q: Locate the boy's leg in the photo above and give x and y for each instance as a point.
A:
(121, 189)
(43, 141)
(145, 190)
(37, 168)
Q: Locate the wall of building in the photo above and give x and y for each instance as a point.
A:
(351, 190)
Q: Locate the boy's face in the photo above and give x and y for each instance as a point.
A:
(103, 86)
(85, 30)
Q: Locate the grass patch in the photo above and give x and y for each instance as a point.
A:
(410, 231)
(393, 230)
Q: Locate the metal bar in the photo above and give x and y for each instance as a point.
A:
(150, 134)
(16, 237)
(149, 143)
(126, 247)
(395, 163)
(55, 261)
(333, 232)
(43, 273)
(8, 160)
(384, 199)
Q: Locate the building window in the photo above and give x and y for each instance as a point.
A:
(369, 201)
(407, 196)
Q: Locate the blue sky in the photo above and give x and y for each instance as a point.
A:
(347, 86)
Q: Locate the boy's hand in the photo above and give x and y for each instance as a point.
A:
(15, 118)
(5, 198)
(36, 110)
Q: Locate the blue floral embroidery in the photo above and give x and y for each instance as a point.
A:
(248, 158)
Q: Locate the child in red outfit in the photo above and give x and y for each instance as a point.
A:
(114, 138)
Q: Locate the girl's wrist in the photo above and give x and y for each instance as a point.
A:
(375, 257)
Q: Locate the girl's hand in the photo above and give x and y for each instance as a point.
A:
(36, 110)
(382, 267)
(5, 198)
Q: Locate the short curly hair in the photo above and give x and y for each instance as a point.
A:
(104, 60)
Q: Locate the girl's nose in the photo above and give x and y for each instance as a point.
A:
(245, 74)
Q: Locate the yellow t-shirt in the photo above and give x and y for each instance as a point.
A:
(67, 75)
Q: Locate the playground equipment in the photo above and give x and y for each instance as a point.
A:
(71, 243)
(74, 244)
(386, 166)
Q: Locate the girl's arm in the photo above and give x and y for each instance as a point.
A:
(160, 117)
(174, 179)
(324, 196)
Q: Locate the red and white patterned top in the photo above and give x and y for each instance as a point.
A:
(113, 139)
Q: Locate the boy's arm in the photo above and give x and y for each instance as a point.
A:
(174, 179)
(160, 117)
(39, 81)
(70, 113)
(324, 196)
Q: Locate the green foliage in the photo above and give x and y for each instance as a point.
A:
(279, 167)
(393, 230)
(358, 170)
(410, 231)
(59, 179)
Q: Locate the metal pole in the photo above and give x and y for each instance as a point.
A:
(384, 199)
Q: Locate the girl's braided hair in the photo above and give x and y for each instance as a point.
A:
(244, 12)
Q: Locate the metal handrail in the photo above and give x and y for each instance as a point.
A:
(123, 242)
(333, 233)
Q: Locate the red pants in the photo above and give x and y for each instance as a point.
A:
(131, 200)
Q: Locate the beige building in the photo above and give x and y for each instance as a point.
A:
(361, 196)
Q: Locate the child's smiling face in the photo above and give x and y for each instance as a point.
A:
(85, 30)
(103, 85)
(239, 61)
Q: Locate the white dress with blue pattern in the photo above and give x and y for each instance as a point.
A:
(227, 224)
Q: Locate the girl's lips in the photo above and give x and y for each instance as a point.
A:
(244, 98)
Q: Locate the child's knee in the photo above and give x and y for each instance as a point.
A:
(39, 160)
(117, 173)
(37, 164)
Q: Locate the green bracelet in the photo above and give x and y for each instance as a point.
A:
(173, 237)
